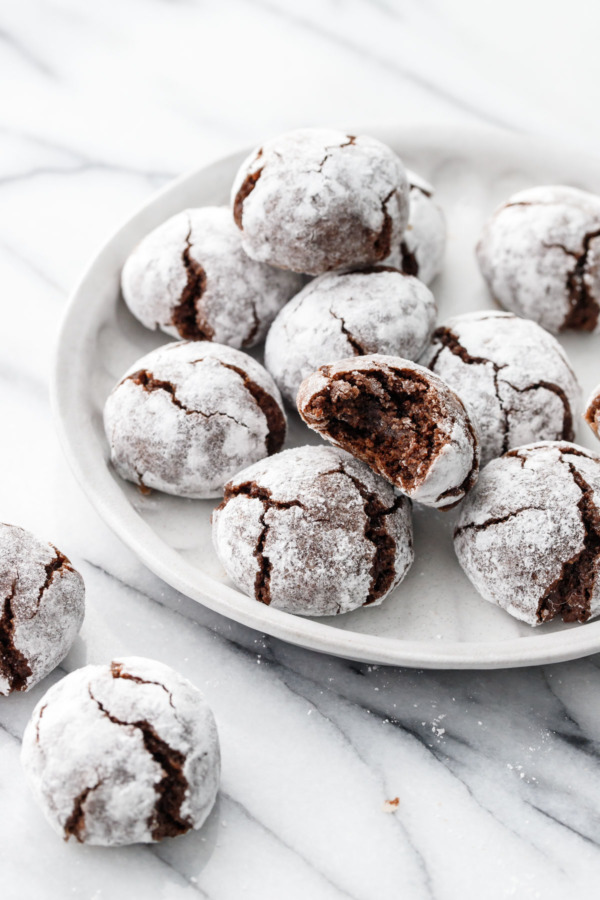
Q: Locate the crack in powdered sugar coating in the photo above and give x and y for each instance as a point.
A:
(313, 531)
(377, 310)
(423, 244)
(191, 278)
(528, 536)
(399, 418)
(122, 754)
(513, 377)
(540, 255)
(189, 415)
(41, 608)
(314, 200)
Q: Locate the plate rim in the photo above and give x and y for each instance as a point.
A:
(71, 421)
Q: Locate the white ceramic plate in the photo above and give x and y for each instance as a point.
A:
(434, 619)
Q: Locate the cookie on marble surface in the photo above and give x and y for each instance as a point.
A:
(513, 377)
(316, 199)
(186, 417)
(42, 604)
(528, 535)
(123, 753)
(191, 278)
(423, 244)
(313, 531)
(399, 418)
(376, 310)
(540, 256)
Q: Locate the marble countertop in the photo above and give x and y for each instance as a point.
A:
(496, 774)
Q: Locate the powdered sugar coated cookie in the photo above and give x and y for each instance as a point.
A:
(316, 199)
(191, 278)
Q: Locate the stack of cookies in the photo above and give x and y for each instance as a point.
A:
(326, 254)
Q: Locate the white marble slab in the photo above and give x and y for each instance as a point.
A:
(497, 773)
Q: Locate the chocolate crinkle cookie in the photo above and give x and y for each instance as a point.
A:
(191, 278)
(186, 417)
(42, 604)
(400, 419)
(122, 753)
(513, 377)
(423, 244)
(528, 536)
(315, 199)
(376, 310)
(313, 531)
(540, 256)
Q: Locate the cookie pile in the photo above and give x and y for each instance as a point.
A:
(409, 408)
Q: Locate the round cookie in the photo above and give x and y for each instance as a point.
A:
(42, 604)
(400, 419)
(316, 199)
(377, 310)
(592, 411)
(313, 531)
(540, 256)
(513, 377)
(191, 278)
(423, 244)
(528, 536)
(186, 417)
(123, 753)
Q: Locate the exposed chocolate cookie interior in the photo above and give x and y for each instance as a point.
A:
(400, 419)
